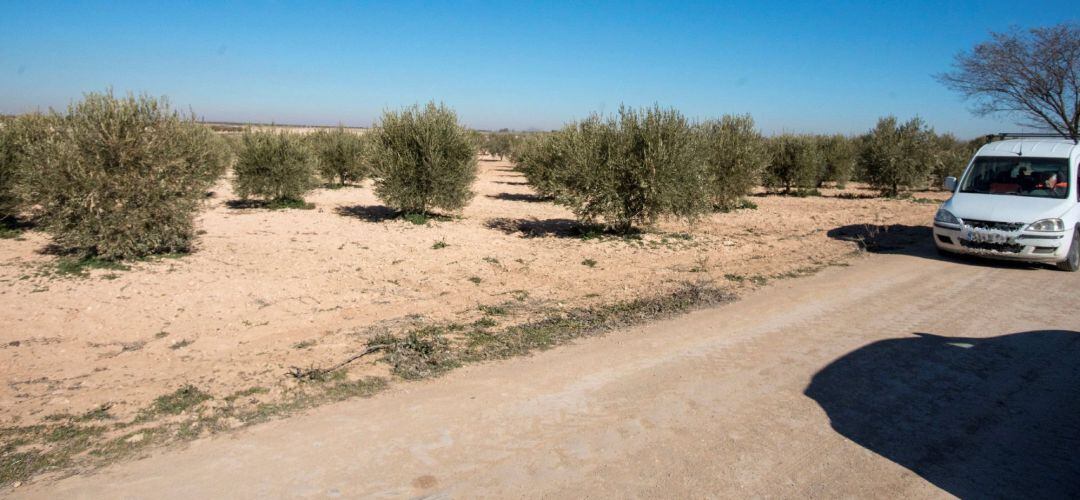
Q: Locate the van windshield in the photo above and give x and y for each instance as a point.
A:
(1018, 176)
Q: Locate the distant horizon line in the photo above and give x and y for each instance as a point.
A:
(275, 124)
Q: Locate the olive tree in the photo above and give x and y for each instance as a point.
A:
(795, 163)
(118, 178)
(274, 166)
(339, 155)
(423, 158)
(950, 156)
(897, 155)
(734, 155)
(631, 168)
(18, 135)
(542, 159)
(500, 144)
(838, 159)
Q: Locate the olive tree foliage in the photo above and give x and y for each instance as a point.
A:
(622, 170)
(543, 159)
(8, 174)
(950, 157)
(500, 144)
(339, 155)
(734, 154)
(838, 159)
(478, 139)
(274, 166)
(898, 155)
(17, 135)
(233, 141)
(120, 177)
(795, 164)
(422, 158)
(1032, 74)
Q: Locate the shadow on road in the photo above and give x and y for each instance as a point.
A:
(895, 238)
(991, 417)
(915, 241)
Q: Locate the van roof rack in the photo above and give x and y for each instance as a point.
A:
(1000, 136)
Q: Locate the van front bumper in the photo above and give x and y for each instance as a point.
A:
(1049, 248)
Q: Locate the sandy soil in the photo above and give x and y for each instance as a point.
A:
(859, 382)
(267, 290)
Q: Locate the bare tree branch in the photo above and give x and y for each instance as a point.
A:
(1033, 74)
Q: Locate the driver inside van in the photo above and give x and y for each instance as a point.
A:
(1021, 175)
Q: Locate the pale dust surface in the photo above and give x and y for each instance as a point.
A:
(901, 376)
(268, 290)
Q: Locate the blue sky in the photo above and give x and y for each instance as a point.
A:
(796, 66)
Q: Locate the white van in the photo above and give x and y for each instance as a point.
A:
(1018, 199)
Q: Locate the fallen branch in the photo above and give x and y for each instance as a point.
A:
(316, 374)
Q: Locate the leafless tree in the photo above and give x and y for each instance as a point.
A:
(1033, 74)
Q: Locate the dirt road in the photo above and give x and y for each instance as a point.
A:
(900, 376)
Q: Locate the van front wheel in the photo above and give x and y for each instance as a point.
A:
(1072, 259)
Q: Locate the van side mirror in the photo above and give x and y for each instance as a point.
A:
(950, 183)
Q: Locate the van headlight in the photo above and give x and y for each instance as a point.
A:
(1047, 226)
(945, 217)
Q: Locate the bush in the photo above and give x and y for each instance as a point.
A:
(17, 135)
(896, 156)
(274, 166)
(339, 155)
(734, 155)
(951, 157)
(119, 178)
(796, 162)
(422, 159)
(499, 144)
(234, 142)
(541, 159)
(521, 143)
(478, 139)
(838, 157)
(10, 160)
(629, 169)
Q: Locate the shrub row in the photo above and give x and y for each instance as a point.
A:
(641, 164)
(891, 157)
(638, 165)
(281, 167)
(501, 144)
(419, 157)
(896, 156)
(120, 178)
